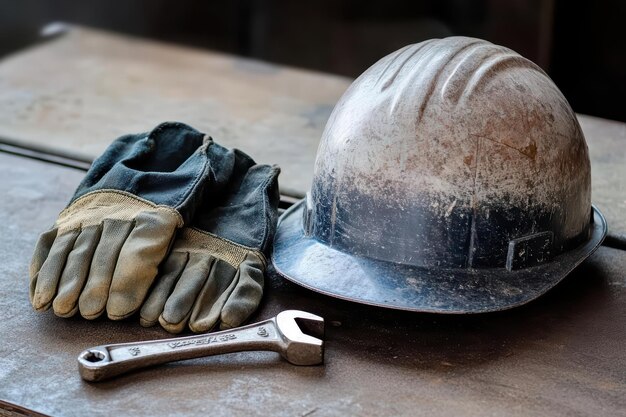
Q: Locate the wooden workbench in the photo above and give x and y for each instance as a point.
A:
(74, 94)
(563, 354)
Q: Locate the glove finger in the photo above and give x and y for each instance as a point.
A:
(246, 296)
(138, 262)
(75, 272)
(208, 306)
(178, 307)
(93, 298)
(42, 250)
(169, 275)
(50, 272)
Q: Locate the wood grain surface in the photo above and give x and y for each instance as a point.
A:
(77, 93)
(561, 355)
(74, 94)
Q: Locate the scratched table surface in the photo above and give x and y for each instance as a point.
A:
(563, 354)
(560, 355)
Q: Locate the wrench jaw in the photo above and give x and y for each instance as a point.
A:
(303, 337)
(304, 354)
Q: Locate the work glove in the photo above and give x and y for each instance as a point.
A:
(106, 245)
(215, 271)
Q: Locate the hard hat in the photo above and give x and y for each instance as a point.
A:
(452, 177)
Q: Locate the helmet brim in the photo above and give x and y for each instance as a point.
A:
(314, 265)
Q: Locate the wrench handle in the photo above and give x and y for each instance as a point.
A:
(106, 361)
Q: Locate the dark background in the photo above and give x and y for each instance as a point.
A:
(581, 45)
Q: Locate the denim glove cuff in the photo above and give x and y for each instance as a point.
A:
(168, 166)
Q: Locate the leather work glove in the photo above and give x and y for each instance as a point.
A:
(215, 271)
(106, 245)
